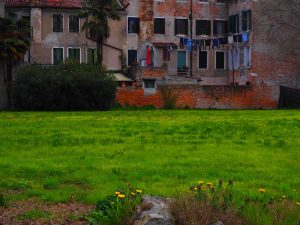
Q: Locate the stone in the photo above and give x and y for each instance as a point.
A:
(154, 211)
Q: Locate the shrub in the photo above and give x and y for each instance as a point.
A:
(3, 202)
(63, 87)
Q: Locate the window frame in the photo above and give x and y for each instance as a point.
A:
(80, 57)
(196, 33)
(63, 23)
(138, 31)
(164, 31)
(137, 56)
(187, 26)
(69, 24)
(52, 58)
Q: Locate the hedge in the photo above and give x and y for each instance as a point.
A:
(63, 87)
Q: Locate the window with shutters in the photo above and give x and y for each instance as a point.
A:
(74, 54)
(220, 60)
(74, 24)
(220, 27)
(203, 60)
(133, 25)
(91, 56)
(58, 23)
(246, 20)
(181, 27)
(234, 23)
(57, 55)
(159, 25)
(203, 27)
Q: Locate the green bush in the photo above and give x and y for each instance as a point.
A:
(63, 87)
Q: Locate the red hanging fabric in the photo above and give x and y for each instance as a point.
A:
(148, 57)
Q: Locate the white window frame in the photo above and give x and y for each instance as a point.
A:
(63, 22)
(52, 57)
(74, 48)
(69, 24)
(207, 59)
(224, 60)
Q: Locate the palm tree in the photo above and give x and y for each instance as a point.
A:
(13, 46)
(97, 14)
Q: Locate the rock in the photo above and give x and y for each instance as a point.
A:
(218, 223)
(154, 211)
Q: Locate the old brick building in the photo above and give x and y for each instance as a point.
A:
(202, 53)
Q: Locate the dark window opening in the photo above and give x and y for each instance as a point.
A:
(149, 83)
(203, 59)
(58, 21)
(159, 26)
(58, 55)
(74, 24)
(220, 27)
(234, 23)
(132, 57)
(220, 60)
(92, 56)
(166, 54)
(181, 27)
(133, 25)
(246, 20)
(203, 27)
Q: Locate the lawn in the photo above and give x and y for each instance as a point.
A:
(58, 156)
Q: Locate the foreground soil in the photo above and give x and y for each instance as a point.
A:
(34, 212)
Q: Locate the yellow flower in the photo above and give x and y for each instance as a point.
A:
(195, 189)
(284, 197)
(261, 190)
(132, 193)
(200, 182)
(139, 191)
(121, 196)
(117, 192)
(209, 184)
(297, 203)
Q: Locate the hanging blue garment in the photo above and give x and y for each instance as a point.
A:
(185, 41)
(190, 45)
(216, 43)
(245, 37)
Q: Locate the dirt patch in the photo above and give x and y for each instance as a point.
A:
(34, 212)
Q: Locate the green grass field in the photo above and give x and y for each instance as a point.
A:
(56, 156)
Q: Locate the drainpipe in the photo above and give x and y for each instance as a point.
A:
(118, 49)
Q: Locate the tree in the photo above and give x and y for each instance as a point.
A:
(13, 46)
(279, 20)
(97, 14)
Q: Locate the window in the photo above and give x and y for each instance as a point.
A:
(58, 23)
(74, 54)
(246, 20)
(234, 23)
(92, 56)
(166, 54)
(159, 26)
(181, 27)
(133, 25)
(58, 55)
(203, 60)
(74, 24)
(203, 27)
(149, 83)
(220, 60)
(132, 57)
(220, 27)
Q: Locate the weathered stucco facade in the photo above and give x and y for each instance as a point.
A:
(148, 45)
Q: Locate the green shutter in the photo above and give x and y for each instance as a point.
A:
(90, 56)
(77, 55)
(95, 56)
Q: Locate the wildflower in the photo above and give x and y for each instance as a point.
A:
(117, 192)
(298, 203)
(139, 191)
(121, 196)
(261, 190)
(200, 182)
(132, 193)
(195, 189)
(192, 187)
(199, 187)
(284, 197)
(209, 184)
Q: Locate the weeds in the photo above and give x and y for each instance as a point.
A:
(116, 209)
(3, 202)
